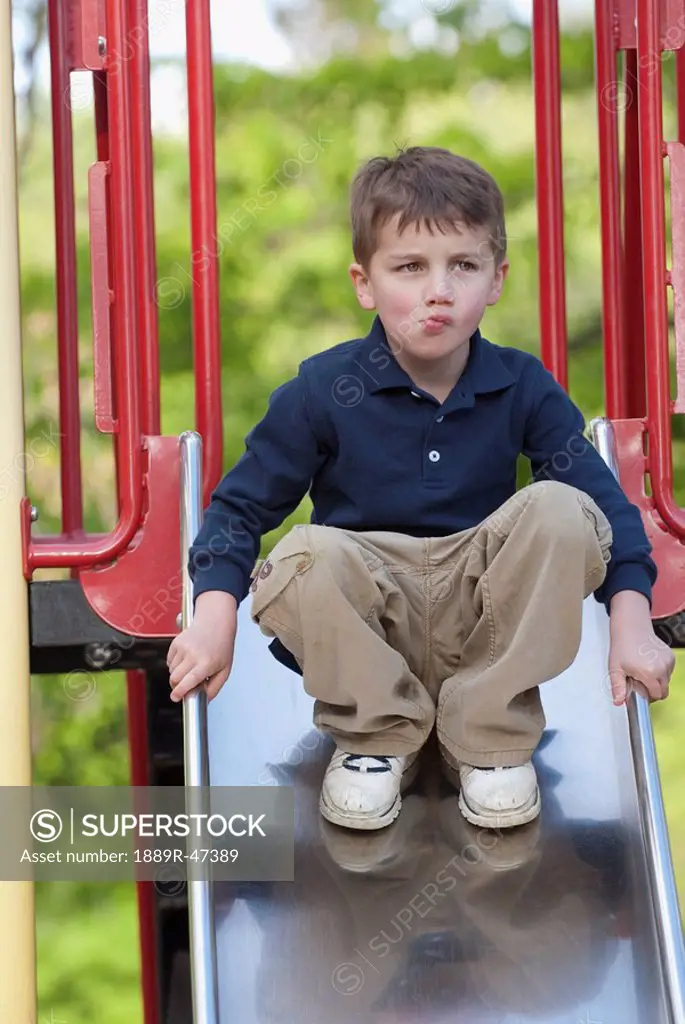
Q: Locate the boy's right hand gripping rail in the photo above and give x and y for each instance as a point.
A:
(663, 892)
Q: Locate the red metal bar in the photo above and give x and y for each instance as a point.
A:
(136, 682)
(143, 197)
(549, 188)
(148, 345)
(654, 269)
(204, 258)
(65, 270)
(633, 362)
(610, 98)
(55, 551)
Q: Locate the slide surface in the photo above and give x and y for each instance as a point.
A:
(431, 919)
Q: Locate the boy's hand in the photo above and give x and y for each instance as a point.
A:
(204, 651)
(638, 659)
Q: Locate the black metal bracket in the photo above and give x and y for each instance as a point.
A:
(671, 629)
(66, 634)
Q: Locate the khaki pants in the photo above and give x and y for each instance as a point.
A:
(395, 634)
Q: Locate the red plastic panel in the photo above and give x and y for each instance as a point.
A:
(669, 550)
(140, 593)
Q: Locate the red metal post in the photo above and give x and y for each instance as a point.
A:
(549, 188)
(205, 255)
(147, 330)
(143, 198)
(136, 683)
(65, 269)
(610, 99)
(654, 269)
(632, 292)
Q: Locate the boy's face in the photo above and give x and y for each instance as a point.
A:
(430, 290)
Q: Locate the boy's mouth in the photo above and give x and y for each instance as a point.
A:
(436, 322)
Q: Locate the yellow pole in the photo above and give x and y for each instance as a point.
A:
(17, 912)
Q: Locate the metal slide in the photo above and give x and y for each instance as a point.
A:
(570, 920)
(430, 919)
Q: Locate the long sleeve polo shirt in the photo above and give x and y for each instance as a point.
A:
(376, 452)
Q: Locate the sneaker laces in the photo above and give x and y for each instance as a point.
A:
(358, 763)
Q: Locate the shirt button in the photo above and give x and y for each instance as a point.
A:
(440, 419)
(434, 456)
(416, 394)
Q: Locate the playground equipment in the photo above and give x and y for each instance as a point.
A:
(576, 918)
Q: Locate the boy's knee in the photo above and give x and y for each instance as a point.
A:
(553, 494)
(563, 511)
(328, 544)
(556, 505)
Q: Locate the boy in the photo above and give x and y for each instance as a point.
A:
(426, 591)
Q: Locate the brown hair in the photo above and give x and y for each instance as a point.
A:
(424, 183)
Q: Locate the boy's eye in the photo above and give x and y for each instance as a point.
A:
(412, 267)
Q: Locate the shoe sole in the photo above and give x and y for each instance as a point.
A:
(506, 819)
(365, 822)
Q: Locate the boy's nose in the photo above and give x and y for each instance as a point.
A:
(440, 290)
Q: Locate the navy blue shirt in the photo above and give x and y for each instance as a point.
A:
(376, 452)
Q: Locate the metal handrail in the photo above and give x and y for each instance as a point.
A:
(203, 968)
(663, 891)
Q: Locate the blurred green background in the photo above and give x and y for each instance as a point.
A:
(288, 144)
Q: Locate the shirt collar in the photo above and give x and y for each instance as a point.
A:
(484, 370)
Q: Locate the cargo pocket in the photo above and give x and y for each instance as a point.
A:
(290, 558)
(600, 522)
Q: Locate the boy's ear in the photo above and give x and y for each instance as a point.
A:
(362, 286)
(498, 283)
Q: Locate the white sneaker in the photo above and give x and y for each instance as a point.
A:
(499, 797)
(363, 790)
